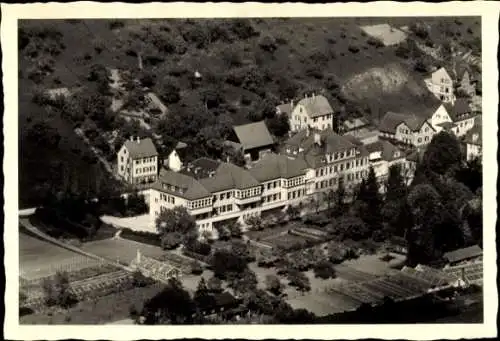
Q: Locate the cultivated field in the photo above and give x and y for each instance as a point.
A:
(38, 258)
(387, 34)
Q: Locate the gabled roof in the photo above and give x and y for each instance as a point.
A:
(474, 135)
(187, 187)
(253, 135)
(274, 166)
(388, 151)
(392, 120)
(355, 123)
(446, 125)
(316, 105)
(229, 176)
(285, 108)
(201, 168)
(461, 110)
(463, 254)
(143, 148)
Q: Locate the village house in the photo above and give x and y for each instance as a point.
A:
(462, 116)
(314, 112)
(177, 155)
(466, 81)
(285, 109)
(406, 128)
(441, 85)
(464, 255)
(383, 155)
(138, 161)
(472, 142)
(253, 139)
(355, 127)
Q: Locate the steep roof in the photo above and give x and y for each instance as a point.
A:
(316, 105)
(392, 120)
(229, 176)
(355, 123)
(143, 148)
(474, 135)
(388, 151)
(253, 135)
(463, 254)
(184, 186)
(461, 110)
(274, 166)
(201, 168)
(285, 108)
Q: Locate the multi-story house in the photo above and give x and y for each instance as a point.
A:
(176, 159)
(253, 139)
(440, 84)
(312, 112)
(383, 155)
(466, 81)
(462, 116)
(330, 158)
(138, 161)
(408, 129)
(472, 142)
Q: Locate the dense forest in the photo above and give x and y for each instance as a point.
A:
(243, 68)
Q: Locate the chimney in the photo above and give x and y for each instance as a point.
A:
(138, 139)
(317, 139)
(291, 103)
(313, 95)
(308, 131)
(131, 138)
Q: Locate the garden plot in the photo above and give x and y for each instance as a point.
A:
(372, 264)
(387, 34)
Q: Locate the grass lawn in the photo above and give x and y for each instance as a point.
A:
(372, 264)
(38, 258)
(104, 310)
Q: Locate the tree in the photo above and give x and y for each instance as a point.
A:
(235, 229)
(273, 284)
(369, 194)
(202, 296)
(177, 221)
(349, 227)
(279, 125)
(340, 195)
(299, 280)
(243, 282)
(324, 270)
(223, 232)
(268, 44)
(255, 223)
(443, 153)
(214, 285)
(173, 305)
(168, 92)
(136, 204)
(58, 291)
(43, 135)
(425, 206)
(224, 262)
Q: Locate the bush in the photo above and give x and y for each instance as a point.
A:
(196, 268)
(115, 24)
(141, 237)
(273, 284)
(324, 270)
(196, 246)
(353, 49)
(298, 280)
(170, 241)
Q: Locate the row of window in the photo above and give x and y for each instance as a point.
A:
(271, 185)
(340, 155)
(172, 188)
(225, 208)
(271, 198)
(199, 203)
(144, 160)
(323, 118)
(145, 170)
(296, 194)
(223, 196)
(340, 168)
(295, 182)
(168, 198)
(248, 193)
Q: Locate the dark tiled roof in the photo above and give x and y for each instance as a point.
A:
(201, 168)
(229, 176)
(388, 151)
(253, 135)
(392, 120)
(461, 110)
(188, 187)
(273, 166)
(143, 148)
(463, 254)
(316, 105)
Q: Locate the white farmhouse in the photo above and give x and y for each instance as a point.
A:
(312, 112)
(138, 161)
(440, 84)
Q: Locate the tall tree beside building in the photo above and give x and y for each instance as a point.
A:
(177, 221)
(395, 209)
(443, 154)
(369, 194)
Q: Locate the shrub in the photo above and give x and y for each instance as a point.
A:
(115, 24)
(273, 284)
(171, 240)
(298, 280)
(196, 268)
(324, 270)
(353, 49)
(331, 41)
(268, 43)
(141, 237)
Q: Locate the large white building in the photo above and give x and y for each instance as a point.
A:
(312, 163)
(441, 85)
(138, 161)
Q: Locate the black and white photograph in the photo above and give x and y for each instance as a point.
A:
(252, 170)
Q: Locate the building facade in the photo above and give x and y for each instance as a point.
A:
(440, 84)
(137, 161)
(312, 112)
